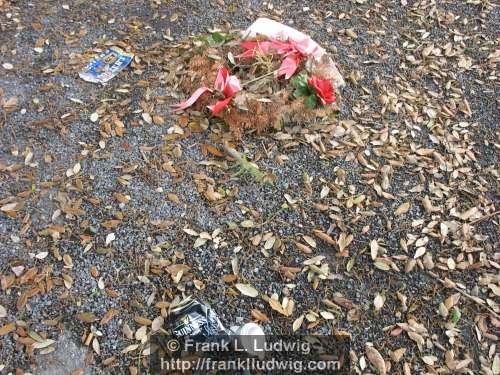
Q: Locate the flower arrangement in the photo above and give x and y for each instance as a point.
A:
(257, 83)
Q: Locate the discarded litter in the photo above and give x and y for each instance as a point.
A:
(197, 321)
(106, 66)
(191, 318)
(249, 336)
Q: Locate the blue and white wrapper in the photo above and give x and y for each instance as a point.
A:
(106, 66)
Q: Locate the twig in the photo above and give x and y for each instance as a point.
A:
(260, 77)
(447, 284)
(231, 151)
(486, 217)
(245, 165)
(270, 218)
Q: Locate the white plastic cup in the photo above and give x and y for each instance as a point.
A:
(251, 339)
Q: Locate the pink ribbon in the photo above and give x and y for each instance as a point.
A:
(227, 84)
(192, 99)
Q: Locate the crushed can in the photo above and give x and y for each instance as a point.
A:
(191, 318)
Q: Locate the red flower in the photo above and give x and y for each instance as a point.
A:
(324, 89)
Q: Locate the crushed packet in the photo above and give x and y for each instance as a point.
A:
(106, 66)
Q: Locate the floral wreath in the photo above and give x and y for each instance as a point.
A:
(316, 91)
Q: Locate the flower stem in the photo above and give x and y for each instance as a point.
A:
(260, 77)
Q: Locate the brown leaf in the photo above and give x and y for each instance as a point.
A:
(344, 302)
(8, 328)
(325, 237)
(122, 198)
(109, 224)
(417, 338)
(183, 121)
(21, 301)
(158, 120)
(173, 198)
(376, 359)
(86, 317)
(7, 281)
(402, 209)
(108, 316)
(289, 272)
(398, 354)
(108, 361)
(207, 148)
(211, 194)
(259, 315)
(276, 305)
(304, 248)
(142, 321)
(229, 278)
(343, 242)
(425, 151)
(429, 208)
(112, 293)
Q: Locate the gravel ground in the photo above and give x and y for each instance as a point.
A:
(397, 105)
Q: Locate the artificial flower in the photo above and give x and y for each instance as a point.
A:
(324, 89)
(293, 52)
(227, 84)
(289, 65)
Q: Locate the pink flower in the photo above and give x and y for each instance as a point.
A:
(324, 89)
(265, 47)
(293, 52)
(227, 84)
(289, 65)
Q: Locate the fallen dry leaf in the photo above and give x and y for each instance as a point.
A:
(376, 359)
(247, 290)
(86, 317)
(7, 328)
(404, 208)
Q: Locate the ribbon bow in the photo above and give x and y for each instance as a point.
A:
(225, 83)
